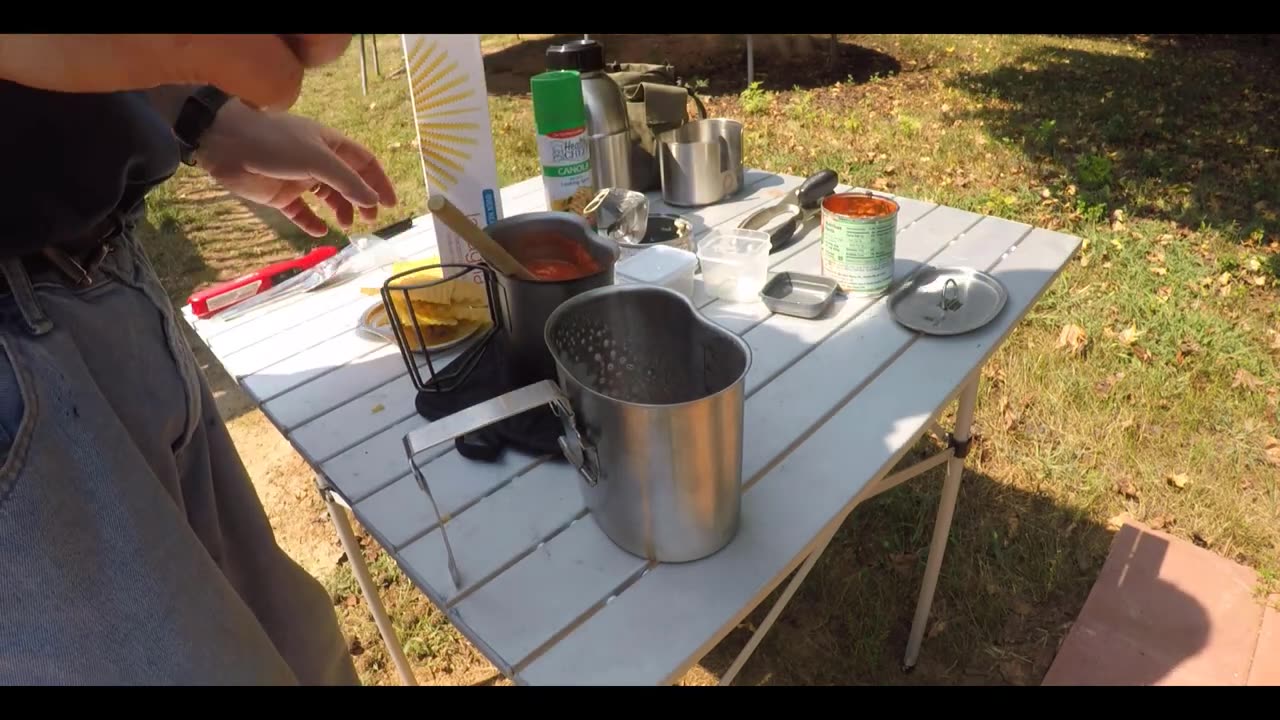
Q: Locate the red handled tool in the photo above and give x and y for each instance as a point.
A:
(224, 295)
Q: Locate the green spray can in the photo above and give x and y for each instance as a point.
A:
(564, 151)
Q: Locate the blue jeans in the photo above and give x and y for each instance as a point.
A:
(133, 547)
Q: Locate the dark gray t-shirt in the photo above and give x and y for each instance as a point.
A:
(69, 160)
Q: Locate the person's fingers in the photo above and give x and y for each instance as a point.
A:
(325, 165)
(364, 163)
(304, 217)
(342, 209)
(313, 50)
(369, 213)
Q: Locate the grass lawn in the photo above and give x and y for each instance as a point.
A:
(1143, 385)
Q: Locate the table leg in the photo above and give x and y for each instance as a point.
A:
(776, 610)
(942, 524)
(364, 77)
(361, 571)
(377, 68)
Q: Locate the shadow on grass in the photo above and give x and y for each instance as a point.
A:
(782, 62)
(1180, 130)
(1016, 572)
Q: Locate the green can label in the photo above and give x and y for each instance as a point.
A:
(858, 248)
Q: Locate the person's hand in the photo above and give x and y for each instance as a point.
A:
(275, 159)
(264, 70)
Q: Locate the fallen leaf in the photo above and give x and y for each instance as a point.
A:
(1128, 489)
(1071, 190)
(1022, 607)
(1273, 451)
(1130, 335)
(1116, 522)
(1046, 193)
(1159, 271)
(1275, 340)
(1259, 280)
(1179, 480)
(1074, 339)
(1246, 380)
(1156, 257)
(350, 601)
(938, 627)
(1254, 264)
(1141, 353)
(1105, 385)
(890, 169)
(356, 648)
(1224, 278)
(1084, 260)
(377, 409)
(1161, 522)
(1200, 540)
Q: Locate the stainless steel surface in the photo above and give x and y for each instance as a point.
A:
(701, 162)
(608, 130)
(948, 301)
(658, 392)
(806, 296)
(463, 422)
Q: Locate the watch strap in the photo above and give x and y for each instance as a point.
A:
(197, 114)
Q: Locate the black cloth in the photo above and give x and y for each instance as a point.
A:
(70, 161)
(535, 432)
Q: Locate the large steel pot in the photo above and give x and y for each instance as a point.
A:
(651, 397)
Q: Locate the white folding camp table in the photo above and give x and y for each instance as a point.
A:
(832, 405)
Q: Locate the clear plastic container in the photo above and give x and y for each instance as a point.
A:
(660, 265)
(735, 263)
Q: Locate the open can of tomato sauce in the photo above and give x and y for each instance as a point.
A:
(859, 236)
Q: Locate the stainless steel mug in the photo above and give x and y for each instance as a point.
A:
(700, 163)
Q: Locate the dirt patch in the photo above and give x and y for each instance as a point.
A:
(782, 62)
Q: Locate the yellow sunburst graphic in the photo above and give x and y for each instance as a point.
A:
(442, 110)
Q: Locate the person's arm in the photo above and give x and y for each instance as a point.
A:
(264, 70)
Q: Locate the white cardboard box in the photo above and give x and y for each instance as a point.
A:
(451, 111)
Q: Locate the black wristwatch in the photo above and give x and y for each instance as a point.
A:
(194, 119)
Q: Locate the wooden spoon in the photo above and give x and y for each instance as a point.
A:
(489, 249)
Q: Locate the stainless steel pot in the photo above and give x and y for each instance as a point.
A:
(523, 305)
(700, 163)
(651, 397)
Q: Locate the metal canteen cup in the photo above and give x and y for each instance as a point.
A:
(651, 398)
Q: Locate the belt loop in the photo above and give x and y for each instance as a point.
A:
(20, 285)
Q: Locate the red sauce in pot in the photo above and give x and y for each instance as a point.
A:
(555, 258)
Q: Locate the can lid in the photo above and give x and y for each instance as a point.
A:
(557, 101)
(947, 301)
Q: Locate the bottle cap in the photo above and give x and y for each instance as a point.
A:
(557, 101)
(581, 55)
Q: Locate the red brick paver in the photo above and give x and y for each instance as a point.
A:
(1266, 659)
(1164, 612)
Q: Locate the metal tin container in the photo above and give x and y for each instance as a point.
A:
(798, 294)
(859, 239)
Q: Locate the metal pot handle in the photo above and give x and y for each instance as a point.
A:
(477, 417)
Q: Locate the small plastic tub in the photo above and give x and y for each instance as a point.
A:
(735, 263)
(662, 265)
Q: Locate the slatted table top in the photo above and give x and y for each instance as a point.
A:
(832, 404)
